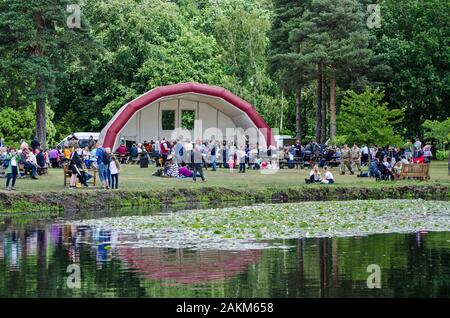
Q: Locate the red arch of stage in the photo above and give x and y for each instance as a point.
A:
(125, 113)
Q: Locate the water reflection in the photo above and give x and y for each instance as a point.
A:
(34, 258)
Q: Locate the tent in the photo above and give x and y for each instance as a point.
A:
(187, 111)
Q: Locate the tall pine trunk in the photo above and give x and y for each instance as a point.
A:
(41, 122)
(332, 108)
(323, 138)
(37, 50)
(298, 112)
(319, 103)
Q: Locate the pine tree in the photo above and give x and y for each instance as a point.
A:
(332, 34)
(36, 45)
(292, 68)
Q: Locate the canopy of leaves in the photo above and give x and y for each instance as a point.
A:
(365, 119)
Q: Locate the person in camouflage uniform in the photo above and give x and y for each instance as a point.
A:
(356, 158)
(346, 159)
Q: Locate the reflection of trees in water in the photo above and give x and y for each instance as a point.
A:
(33, 261)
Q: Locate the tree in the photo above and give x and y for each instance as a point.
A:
(413, 39)
(36, 46)
(365, 119)
(438, 131)
(292, 69)
(335, 35)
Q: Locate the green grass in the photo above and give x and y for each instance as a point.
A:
(133, 178)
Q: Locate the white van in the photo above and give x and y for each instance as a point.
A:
(83, 138)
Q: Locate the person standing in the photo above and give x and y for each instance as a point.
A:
(164, 150)
(346, 157)
(213, 156)
(114, 167)
(35, 144)
(198, 163)
(75, 166)
(364, 155)
(356, 158)
(106, 162)
(241, 157)
(12, 162)
(102, 172)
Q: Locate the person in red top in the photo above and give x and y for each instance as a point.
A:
(147, 146)
(122, 149)
(420, 159)
(164, 150)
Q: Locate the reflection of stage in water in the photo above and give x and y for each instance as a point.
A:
(186, 266)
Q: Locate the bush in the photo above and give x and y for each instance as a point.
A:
(442, 155)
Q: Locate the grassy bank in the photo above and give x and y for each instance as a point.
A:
(139, 188)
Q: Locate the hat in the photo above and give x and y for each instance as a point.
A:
(169, 157)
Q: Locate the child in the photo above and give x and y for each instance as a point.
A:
(86, 157)
(231, 164)
(114, 167)
(329, 179)
(11, 164)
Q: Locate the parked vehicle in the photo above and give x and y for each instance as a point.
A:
(83, 138)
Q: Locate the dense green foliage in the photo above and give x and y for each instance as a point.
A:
(310, 52)
(368, 105)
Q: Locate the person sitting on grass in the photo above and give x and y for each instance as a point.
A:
(373, 169)
(171, 169)
(184, 171)
(258, 162)
(314, 175)
(329, 179)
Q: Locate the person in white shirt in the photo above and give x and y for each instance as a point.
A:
(329, 179)
(364, 155)
(30, 162)
(314, 175)
(114, 167)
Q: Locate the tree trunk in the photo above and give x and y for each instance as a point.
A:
(298, 112)
(332, 109)
(319, 103)
(38, 50)
(41, 122)
(323, 138)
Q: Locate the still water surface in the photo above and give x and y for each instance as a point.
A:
(35, 255)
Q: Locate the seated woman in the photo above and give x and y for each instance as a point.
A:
(171, 167)
(184, 171)
(373, 169)
(314, 175)
(329, 179)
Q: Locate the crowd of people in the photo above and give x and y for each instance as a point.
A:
(177, 159)
(81, 162)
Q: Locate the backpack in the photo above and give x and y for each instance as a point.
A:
(106, 159)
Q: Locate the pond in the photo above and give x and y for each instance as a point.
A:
(330, 254)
